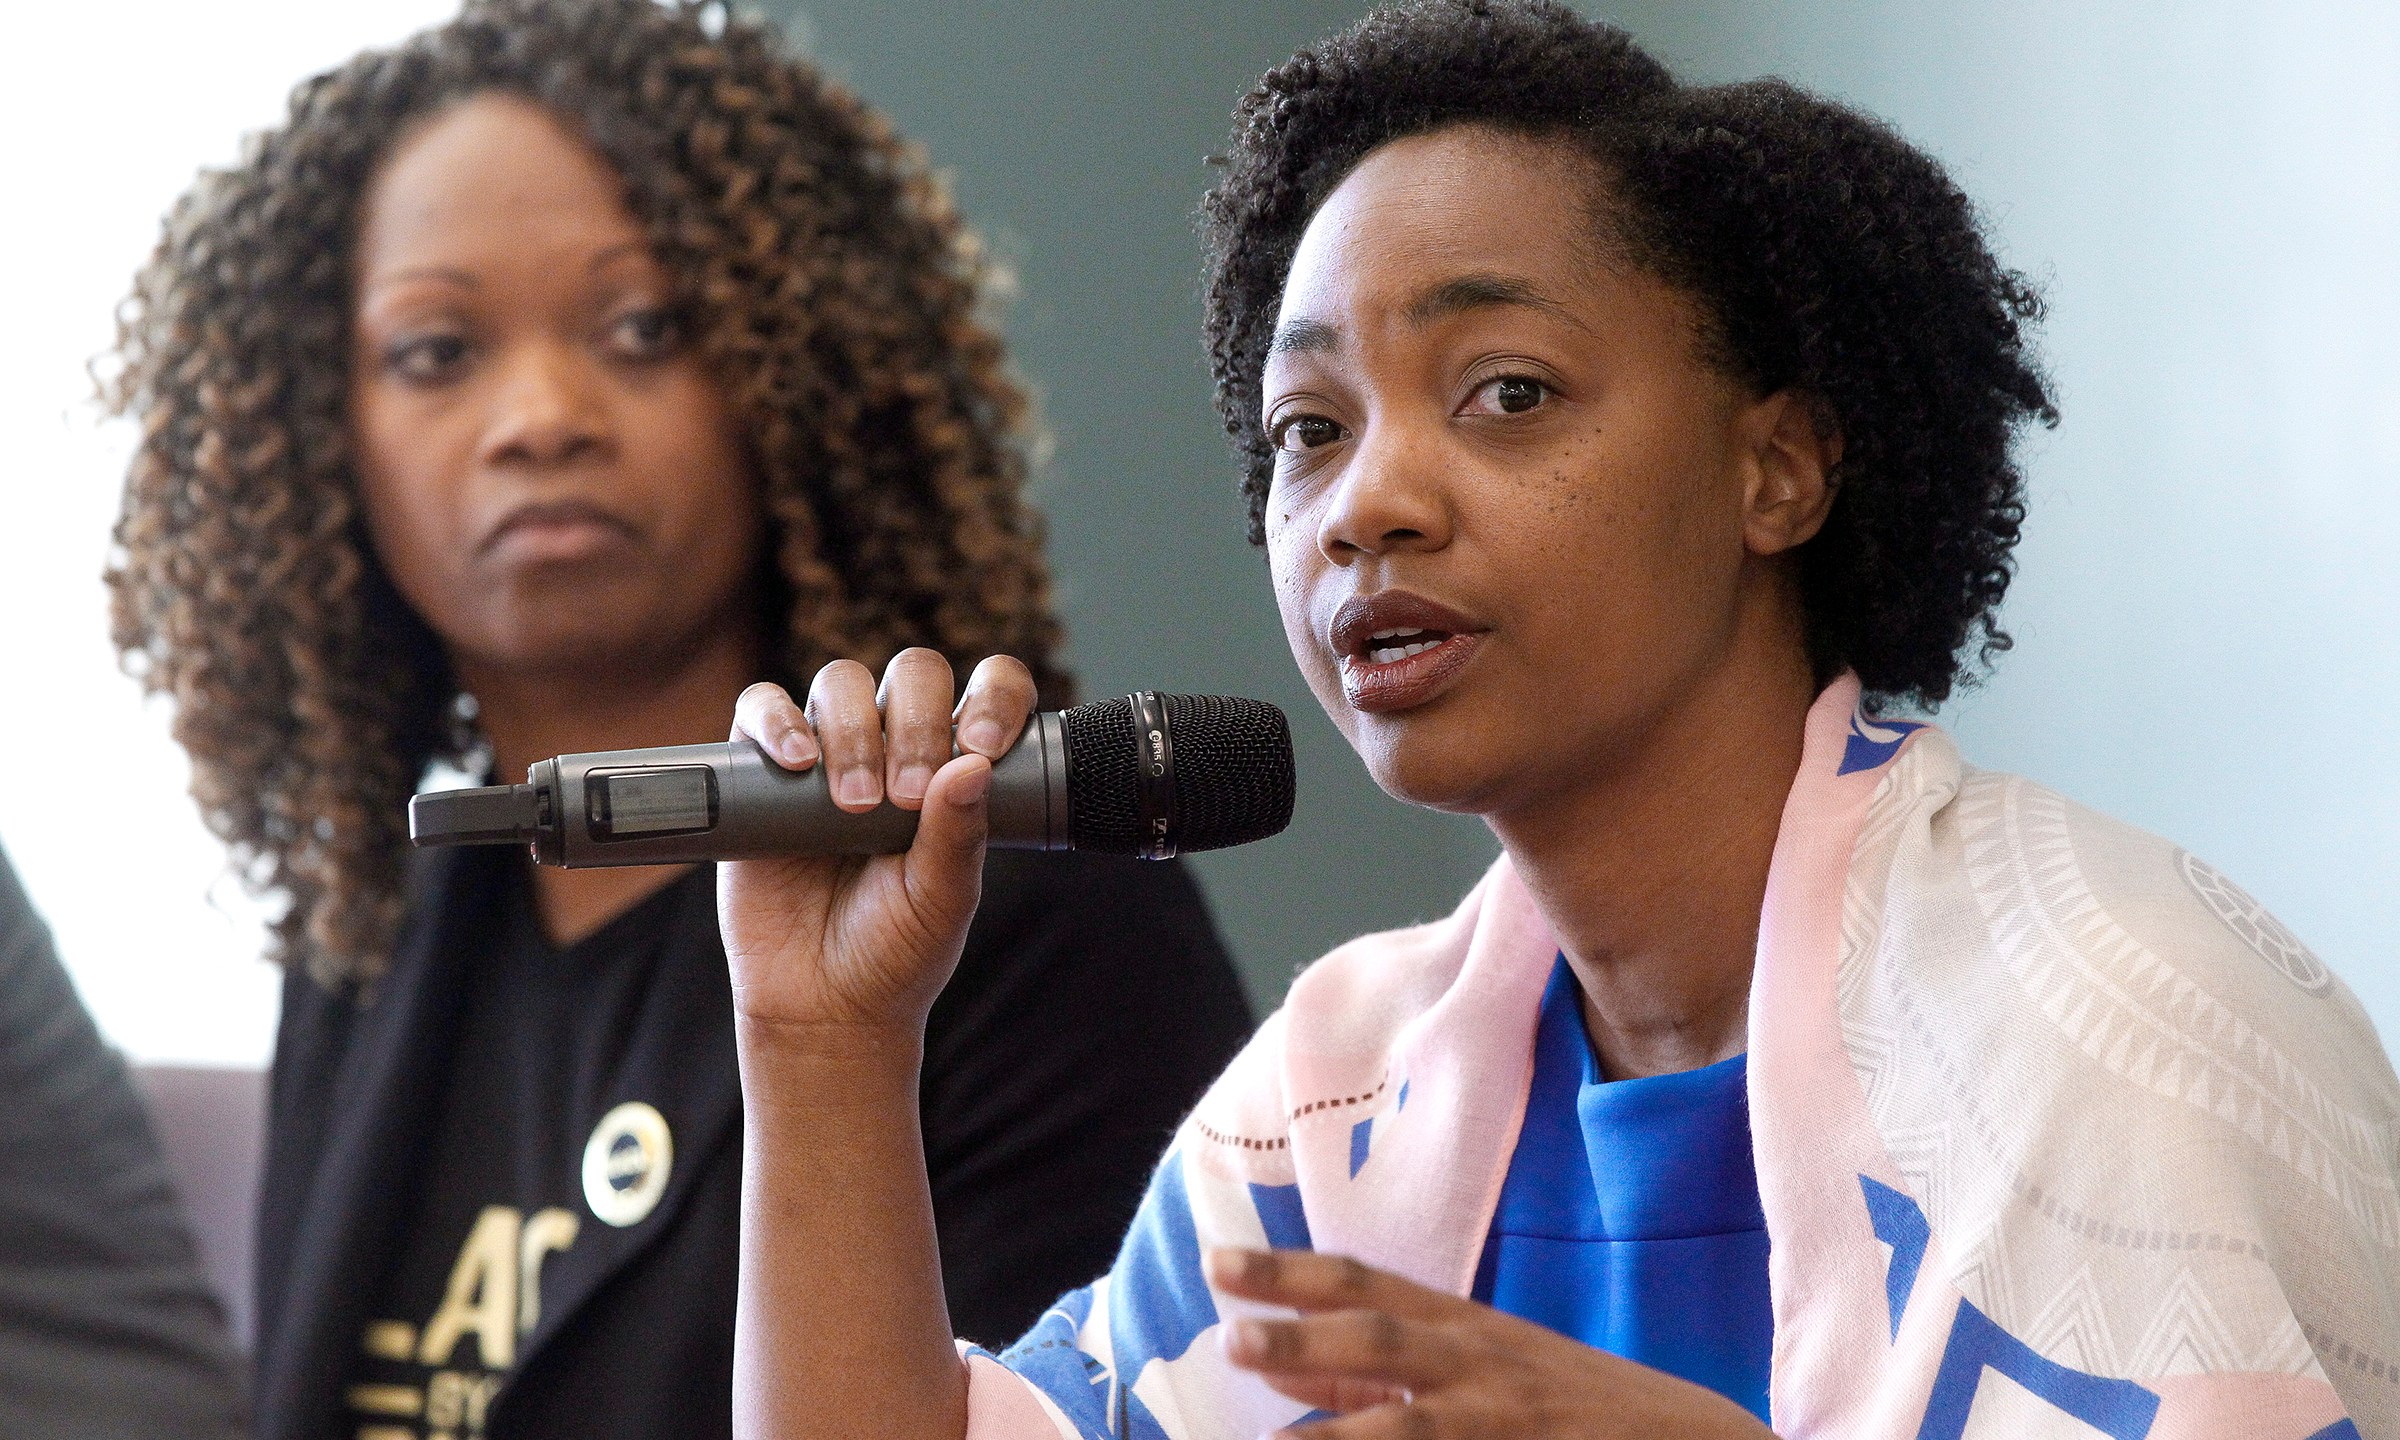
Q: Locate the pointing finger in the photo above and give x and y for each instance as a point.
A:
(765, 713)
(1306, 1280)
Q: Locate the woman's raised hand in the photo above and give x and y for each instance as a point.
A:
(839, 1328)
(867, 942)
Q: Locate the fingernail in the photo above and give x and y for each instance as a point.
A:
(795, 749)
(855, 786)
(910, 783)
(971, 787)
(1245, 1339)
(1226, 1265)
(981, 736)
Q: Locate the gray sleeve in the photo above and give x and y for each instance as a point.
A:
(106, 1327)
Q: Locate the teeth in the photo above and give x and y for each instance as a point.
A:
(1394, 634)
(1387, 654)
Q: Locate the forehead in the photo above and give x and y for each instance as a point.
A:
(492, 168)
(1462, 201)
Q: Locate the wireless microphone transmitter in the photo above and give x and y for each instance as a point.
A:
(1147, 774)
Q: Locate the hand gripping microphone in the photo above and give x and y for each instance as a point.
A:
(1145, 774)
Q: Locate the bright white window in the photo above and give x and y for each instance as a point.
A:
(109, 112)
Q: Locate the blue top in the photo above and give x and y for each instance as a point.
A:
(1630, 1216)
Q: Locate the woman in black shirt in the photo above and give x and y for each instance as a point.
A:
(534, 388)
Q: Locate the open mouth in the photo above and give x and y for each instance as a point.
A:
(1389, 647)
(1399, 650)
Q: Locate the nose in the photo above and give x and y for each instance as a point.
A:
(1389, 498)
(547, 410)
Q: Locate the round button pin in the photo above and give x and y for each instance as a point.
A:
(626, 1163)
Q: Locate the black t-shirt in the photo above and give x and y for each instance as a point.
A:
(462, 1161)
(504, 1187)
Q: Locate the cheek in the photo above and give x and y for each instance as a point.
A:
(738, 539)
(1656, 511)
(1295, 566)
(689, 443)
(411, 513)
(1293, 563)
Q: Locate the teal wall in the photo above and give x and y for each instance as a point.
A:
(2207, 611)
(1075, 133)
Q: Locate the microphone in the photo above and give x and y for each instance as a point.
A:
(1145, 774)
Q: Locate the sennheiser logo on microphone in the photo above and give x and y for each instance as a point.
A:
(1153, 740)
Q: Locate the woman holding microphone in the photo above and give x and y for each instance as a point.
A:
(1620, 450)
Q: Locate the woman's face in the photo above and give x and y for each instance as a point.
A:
(549, 474)
(1516, 517)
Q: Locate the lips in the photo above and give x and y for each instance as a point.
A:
(1400, 650)
(557, 531)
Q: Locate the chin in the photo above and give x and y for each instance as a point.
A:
(551, 643)
(584, 623)
(1413, 764)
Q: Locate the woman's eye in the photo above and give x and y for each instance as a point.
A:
(426, 359)
(1510, 394)
(646, 334)
(1303, 432)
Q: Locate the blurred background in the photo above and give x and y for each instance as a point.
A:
(2208, 191)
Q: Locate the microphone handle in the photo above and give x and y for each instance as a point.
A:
(676, 804)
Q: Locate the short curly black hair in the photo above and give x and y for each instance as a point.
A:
(1826, 254)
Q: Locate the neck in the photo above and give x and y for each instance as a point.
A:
(672, 696)
(1653, 873)
(530, 713)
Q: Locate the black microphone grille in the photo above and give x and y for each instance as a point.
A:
(1232, 773)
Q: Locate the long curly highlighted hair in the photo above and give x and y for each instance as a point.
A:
(831, 288)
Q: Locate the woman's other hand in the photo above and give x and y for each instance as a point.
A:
(867, 942)
(1395, 1361)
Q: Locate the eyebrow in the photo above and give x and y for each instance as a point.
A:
(1438, 302)
(1478, 292)
(423, 272)
(467, 280)
(1297, 335)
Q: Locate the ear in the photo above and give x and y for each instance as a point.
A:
(1793, 452)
